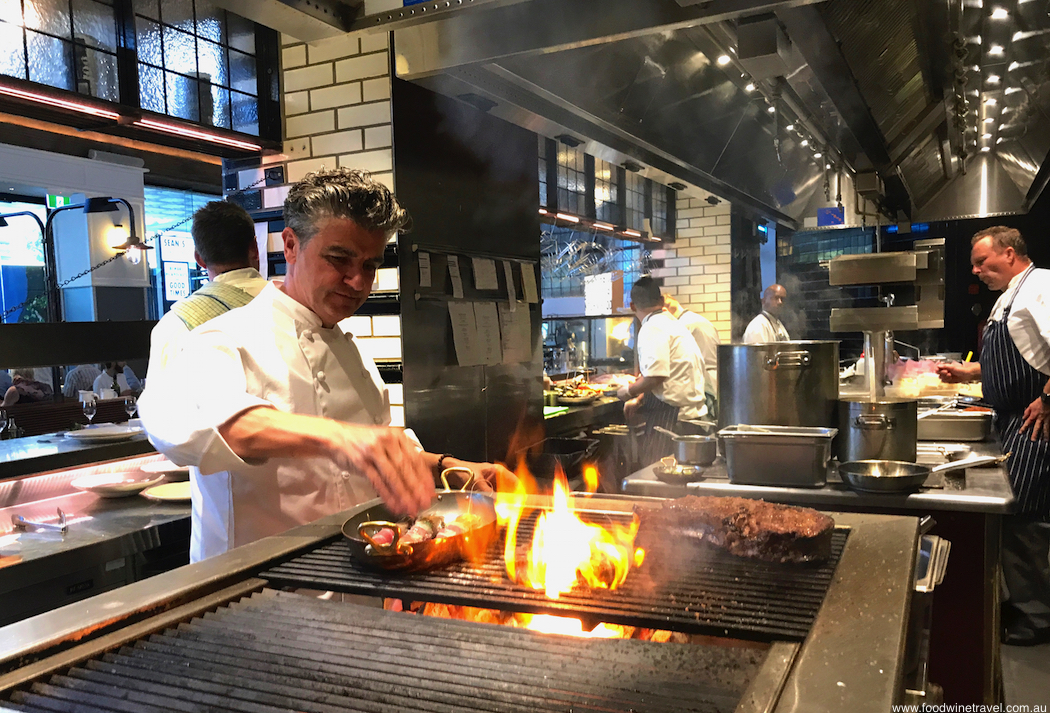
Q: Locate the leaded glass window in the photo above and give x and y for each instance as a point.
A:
(659, 219)
(635, 201)
(67, 44)
(197, 62)
(543, 172)
(606, 192)
(572, 181)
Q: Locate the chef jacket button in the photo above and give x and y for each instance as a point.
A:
(320, 376)
(308, 334)
(346, 475)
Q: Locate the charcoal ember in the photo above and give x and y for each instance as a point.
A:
(744, 527)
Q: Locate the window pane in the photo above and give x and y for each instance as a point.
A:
(96, 72)
(242, 73)
(242, 33)
(211, 61)
(11, 11)
(220, 106)
(49, 61)
(96, 22)
(245, 113)
(148, 39)
(151, 89)
(147, 8)
(178, 13)
(211, 21)
(180, 51)
(182, 96)
(13, 54)
(50, 16)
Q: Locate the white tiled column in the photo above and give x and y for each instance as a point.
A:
(696, 267)
(337, 105)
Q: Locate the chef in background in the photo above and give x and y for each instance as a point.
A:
(670, 389)
(285, 418)
(706, 337)
(1014, 370)
(766, 326)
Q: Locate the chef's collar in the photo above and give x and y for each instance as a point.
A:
(658, 311)
(300, 313)
(1018, 277)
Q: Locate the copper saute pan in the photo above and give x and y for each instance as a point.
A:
(360, 531)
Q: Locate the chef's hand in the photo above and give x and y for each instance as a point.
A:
(623, 393)
(489, 476)
(1037, 416)
(390, 461)
(956, 372)
(630, 408)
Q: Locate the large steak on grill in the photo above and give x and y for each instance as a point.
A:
(744, 527)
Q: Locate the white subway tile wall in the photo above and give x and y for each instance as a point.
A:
(380, 348)
(397, 394)
(386, 280)
(386, 325)
(359, 326)
(696, 267)
(397, 416)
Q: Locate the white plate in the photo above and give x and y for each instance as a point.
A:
(169, 492)
(104, 433)
(164, 467)
(114, 485)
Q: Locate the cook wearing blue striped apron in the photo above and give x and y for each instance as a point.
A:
(1010, 384)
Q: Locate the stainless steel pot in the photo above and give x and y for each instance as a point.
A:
(692, 450)
(778, 384)
(877, 430)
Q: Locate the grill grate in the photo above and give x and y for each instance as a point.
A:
(719, 594)
(282, 651)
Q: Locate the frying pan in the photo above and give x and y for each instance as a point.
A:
(360, 530)
(893, 476)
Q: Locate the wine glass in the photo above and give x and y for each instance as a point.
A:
(130, 406)
(90, 409)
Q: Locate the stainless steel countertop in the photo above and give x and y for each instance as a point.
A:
(979, 490)
(36, 454)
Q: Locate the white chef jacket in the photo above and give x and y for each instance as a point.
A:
(1029, 320)
(271, 352)
(164, 339)
(765, 328)
(666, 348)
(707, 339)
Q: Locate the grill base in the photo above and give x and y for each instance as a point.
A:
(277, 650)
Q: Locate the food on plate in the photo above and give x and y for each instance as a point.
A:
(744, 527)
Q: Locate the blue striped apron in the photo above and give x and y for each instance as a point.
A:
(1010, 384)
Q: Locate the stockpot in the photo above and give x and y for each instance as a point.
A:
(778, 383)
(883, 429)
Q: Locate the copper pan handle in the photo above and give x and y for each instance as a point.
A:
(458, 469)
(368, 530)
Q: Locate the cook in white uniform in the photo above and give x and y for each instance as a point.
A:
(224, 246)
(670, 388)
(707, 338)
(1014, 370)
(283, 415)
(766, 326)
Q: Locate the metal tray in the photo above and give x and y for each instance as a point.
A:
(969, 426)
(784, 456)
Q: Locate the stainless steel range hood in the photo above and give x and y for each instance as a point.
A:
(910, 91)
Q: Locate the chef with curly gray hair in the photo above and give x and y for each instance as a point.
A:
(283, 417)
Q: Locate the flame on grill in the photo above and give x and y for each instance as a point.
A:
(565, 552)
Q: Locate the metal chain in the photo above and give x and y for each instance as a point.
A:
(151, 239)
